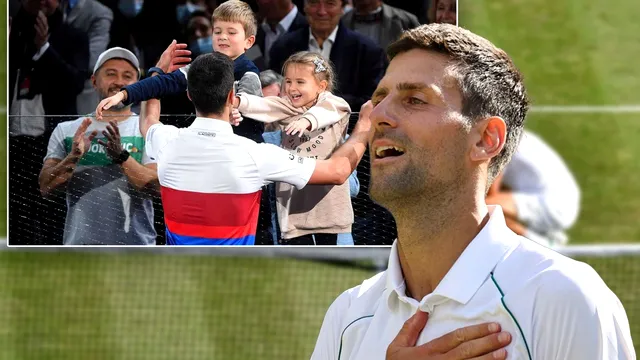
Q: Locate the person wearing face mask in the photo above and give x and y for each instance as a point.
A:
(198, 32)
(130, 8)
(184, 11)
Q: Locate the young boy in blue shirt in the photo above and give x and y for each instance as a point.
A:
(234, 32)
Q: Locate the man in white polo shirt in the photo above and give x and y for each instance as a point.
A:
(211, 179)
(447, 117)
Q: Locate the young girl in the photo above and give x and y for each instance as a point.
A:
(315, 123)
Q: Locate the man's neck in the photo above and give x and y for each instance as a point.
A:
(117, 115)
(365, 9)
(218, 117)
(432, 235)
(322, 36)
(281, 13)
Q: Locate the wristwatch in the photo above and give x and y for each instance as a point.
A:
(124, 155)
(154, 70)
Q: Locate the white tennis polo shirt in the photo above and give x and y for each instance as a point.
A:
(554, 307)
(211, 180)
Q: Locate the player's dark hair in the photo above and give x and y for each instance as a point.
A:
(209, 81)
(488, 80)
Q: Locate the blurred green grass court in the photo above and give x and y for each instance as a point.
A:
(141, 306)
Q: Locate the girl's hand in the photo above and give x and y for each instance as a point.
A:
(298, 127)
(236, 117)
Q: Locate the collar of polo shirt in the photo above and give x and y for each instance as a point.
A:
(211, 124)
(468, 273)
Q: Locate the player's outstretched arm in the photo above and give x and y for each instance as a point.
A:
(149, 115)
(345, 159)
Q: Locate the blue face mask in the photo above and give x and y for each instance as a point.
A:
(130, 8)
(184, 11)
(201, 46)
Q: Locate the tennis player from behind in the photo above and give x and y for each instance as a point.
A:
(211, 179)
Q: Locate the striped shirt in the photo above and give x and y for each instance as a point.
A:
(211, 180)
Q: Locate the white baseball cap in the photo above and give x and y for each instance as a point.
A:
(117, 53)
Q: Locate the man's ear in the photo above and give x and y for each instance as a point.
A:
(93, 81)
(489, 137)
(248, 42)
(189, 96)
(230, 97)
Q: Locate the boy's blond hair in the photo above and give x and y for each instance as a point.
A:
(239, 12)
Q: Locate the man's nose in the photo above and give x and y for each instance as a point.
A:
(381, 116)
(321, 9)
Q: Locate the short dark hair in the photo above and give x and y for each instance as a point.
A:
(209, 81)
(488, 80)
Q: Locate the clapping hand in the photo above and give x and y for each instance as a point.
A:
(113, 146)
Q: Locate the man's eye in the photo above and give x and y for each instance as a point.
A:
(416, 101)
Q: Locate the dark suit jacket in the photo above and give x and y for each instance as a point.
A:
(59, 74)
(359, 63)
(394, 22)
(299, 22)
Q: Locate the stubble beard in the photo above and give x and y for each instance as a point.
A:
(404, 188)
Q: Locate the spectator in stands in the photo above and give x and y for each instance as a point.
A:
(271, 83)
(358, 61)
(538, 194)
(211, 178)
(348, 6)
(314, 122)
(94, 19)
(125, 13)
(380, 22)
(443, 11)
(48, 61)
(185, 10)
(280, 17)
(107, 183)
(199, 30)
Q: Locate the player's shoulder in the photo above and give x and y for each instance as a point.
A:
(363, 298)
(550, 275)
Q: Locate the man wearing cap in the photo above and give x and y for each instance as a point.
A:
(103, 166)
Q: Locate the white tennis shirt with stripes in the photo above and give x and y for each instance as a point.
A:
(211, 180)
(554, 307)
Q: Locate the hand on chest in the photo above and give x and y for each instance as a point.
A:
(369, 339)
